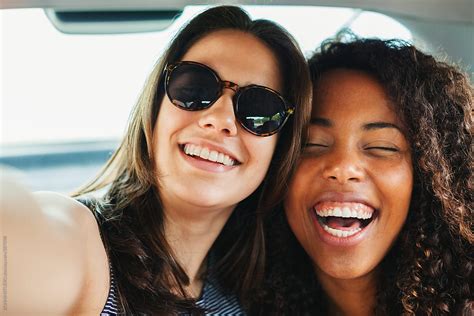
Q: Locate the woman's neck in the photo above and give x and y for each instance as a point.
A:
(190, 232)
(354, 297)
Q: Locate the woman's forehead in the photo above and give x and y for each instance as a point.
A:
(237, 56)
(353, 94)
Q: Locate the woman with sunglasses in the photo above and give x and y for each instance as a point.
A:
(210, 143)
(380, 206)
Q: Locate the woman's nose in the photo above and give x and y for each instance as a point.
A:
(220, 116)
(344, 166)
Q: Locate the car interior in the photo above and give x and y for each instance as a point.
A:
(72, 69)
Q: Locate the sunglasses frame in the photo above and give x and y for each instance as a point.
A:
(223, 84)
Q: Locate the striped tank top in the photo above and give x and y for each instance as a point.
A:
(212, 298)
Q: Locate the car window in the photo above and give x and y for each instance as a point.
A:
(66, 98)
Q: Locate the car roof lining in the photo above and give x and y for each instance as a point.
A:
(454, 11)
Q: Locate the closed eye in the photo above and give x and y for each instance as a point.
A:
(308, 145)
(391, 149)
(382, 151)
(315, 149)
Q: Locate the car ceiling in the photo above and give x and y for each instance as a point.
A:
(442, 26)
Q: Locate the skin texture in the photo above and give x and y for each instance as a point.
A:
(348, 160)
(198, 202)
(54, 240)
(51, 242)
(216, 126)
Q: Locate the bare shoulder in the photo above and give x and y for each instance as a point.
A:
(96, 275)
(57, 210)
(63, 209)
(49, 238)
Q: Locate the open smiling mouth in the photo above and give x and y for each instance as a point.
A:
(205, 154)
(344, 220)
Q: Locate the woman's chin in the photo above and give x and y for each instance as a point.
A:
(345, 269)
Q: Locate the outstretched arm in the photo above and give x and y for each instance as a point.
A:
(43, 264)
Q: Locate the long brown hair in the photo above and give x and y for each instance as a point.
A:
(429, 271)
(147, 274)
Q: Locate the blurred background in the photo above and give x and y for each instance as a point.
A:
(71, 71)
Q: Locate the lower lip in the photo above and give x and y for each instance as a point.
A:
(341, 241)
(206, 165)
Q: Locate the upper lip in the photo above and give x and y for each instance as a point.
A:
(212, 146)
(336, 196)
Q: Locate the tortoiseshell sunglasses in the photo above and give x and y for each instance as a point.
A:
(193, 86)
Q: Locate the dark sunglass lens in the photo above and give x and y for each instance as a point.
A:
(192, 87)
(260, 110)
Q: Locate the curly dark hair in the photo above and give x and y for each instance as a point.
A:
(429, 270)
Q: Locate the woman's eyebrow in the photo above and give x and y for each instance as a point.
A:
(379, 125)
(367, 127)
(320, 121)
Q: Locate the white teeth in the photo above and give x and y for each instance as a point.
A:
(220, 158)
(346, 212)
(213, 155)
(206, 153)
(228, 161)
(341, 233)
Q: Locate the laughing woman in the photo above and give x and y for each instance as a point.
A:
(380, 207)
(179, 225)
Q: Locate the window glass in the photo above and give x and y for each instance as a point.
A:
(65, 99)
